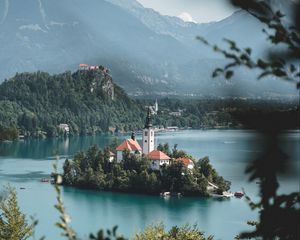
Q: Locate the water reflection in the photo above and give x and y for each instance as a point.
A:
(23, 177)
(41, 148)
(24, 163)
(133, 212)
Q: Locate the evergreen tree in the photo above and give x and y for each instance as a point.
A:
(13, 223)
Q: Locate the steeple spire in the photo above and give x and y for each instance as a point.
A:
(148, 134)
(133, 136)
(148, 123)
(156, 106)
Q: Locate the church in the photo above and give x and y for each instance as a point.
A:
(157, 157)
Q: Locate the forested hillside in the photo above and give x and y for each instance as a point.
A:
(88, 101)
(35, 104)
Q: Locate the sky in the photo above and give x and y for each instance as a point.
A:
(192, 10)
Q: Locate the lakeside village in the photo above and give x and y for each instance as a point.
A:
(65, 129)
(144, 169)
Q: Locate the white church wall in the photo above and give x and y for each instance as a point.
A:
(119, 156)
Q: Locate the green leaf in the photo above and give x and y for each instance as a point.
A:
(266, 73)
(230, 65)
(202, 39)
(279, 14)
(92, 236)
(292, 68)
(278, 63)
(279, 73)
(115, 230)
(228, 74)
(248, 50)
(262, 64)
(244, 57)
(232, 45)
(216, 72)
(216, 48)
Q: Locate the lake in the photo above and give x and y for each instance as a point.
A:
(24, 163)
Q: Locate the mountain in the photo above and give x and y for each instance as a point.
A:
(88, 101)
(146, 52)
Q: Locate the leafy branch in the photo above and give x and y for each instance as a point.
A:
(281, 64)
(65, 219)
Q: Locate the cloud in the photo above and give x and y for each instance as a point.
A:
(186, 17)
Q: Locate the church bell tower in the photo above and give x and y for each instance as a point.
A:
(148, 135)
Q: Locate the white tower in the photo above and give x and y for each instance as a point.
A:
(148, 135)
(156, 106)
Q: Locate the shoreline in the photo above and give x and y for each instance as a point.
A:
(132, 192)
(126, 133)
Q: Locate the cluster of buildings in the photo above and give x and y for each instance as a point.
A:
(158, 158)
(64, 128)
(84, 66)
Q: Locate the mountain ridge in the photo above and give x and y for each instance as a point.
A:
(145, 51)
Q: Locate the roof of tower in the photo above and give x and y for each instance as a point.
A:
(148, 122)
(129, 144)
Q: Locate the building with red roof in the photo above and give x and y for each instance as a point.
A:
(83, 66)
(131, 145)
(186, 162)
(158, 158)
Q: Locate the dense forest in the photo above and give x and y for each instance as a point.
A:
(88, 101)
(93, 169)
(216, 113)
(35, 104)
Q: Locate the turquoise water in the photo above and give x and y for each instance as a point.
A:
(24, 163)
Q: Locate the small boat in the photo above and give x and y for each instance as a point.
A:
(170, 194)
(165, 194)
(22, 188)
(227, 194)
(239, 194)
(45, 180)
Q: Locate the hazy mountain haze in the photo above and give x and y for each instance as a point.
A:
(146, 52)
(199, 10)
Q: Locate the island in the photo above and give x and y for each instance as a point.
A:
(128, 167)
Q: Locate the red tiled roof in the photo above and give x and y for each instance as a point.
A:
(83, 65)
(129, 144)
(185, 161)
(158, 155)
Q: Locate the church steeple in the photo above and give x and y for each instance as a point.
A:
(148, 134)
(148, 122)
(133, 136)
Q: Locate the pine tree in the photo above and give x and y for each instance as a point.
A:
(13, 223)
